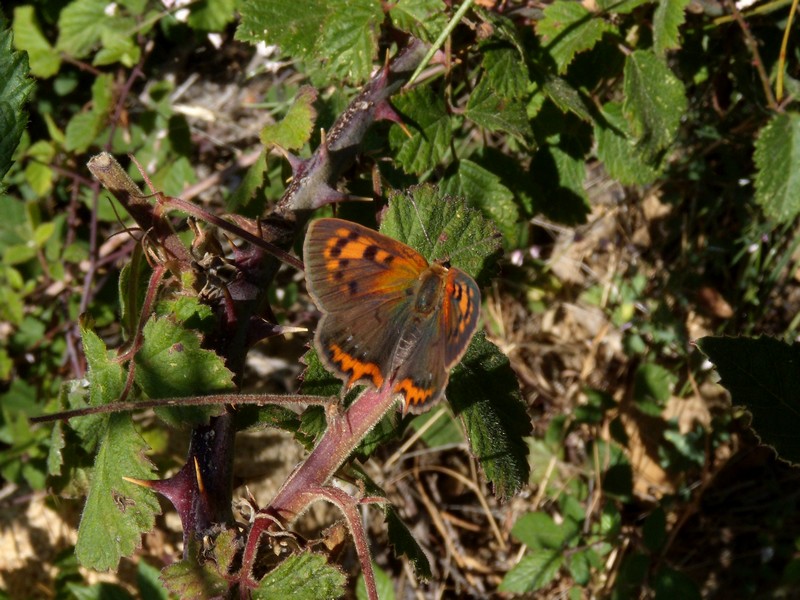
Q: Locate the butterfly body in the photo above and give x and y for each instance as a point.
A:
(389, 317)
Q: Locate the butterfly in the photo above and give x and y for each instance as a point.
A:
(389, 317)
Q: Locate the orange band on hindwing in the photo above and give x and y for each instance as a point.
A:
(413, 394)
(354, 368)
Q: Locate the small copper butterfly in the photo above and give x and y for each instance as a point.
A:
(389, 317)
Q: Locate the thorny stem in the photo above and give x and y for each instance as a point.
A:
(340, 439)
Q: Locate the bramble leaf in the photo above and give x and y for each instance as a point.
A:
(442, 228)
(404, 544)
(431, 129)
(667, 20)
(617, 151)
(567, 29)
(15, 86)
(304, 576)
(424, 19)
(295, 128)
(190, 578)
(172, 364)
(654, 103)
(44, 59)
(761, 374)
(116, 512)
(777, 180)
(496, 113)
(483, 190)
(80, 26)
(484, 392)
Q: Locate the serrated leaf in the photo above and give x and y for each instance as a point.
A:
(80, 26)
(253, 180)
(304, 576)
(654, 102)
(777, 154)
(537, 530)
(425, 115)
(761, 374)
(566, 98)
(117, 512)
(38, 172)
(189, 578)
(211, 15)
(404, 544)
(171, 363)
(442, 228)
(294, 26)
(667, 20)
(496, 113)
(484, 392)
(44, 60)
(617, 151)
(506, 71)
(483, 190)
(294, 130)
(568, 29)
(620, 7)
(350, 38)
(424, 19)
(15, 86)
(536, 569)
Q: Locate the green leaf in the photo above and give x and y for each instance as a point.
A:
(350, 38)
(80, 26)
(423, 19)
(777, 154)
(443, 432)
(304, 576)
(383, 582)
(442, 228)
(667, 20)
(81, 131)
(674, 584)
(566, 98)
(252, 181)
(483, 190)
(117, 47)
(148, 582)
(617, 150)
(294, 130)
(193, 578)
(405, 544)
(28, 36)
(558, 172)
(38, 172)
(652, 387)
(506, 71)
(537, 530)
(533, 572)
(294, 26)
(568, 29)
(211, 15)
(116, 512)
(497, 113)
(580, 567)
(15, 86)
(425, 115)
(620, 7)
(654, 102)
(171, 364)
(761, 374)
(484, 391)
